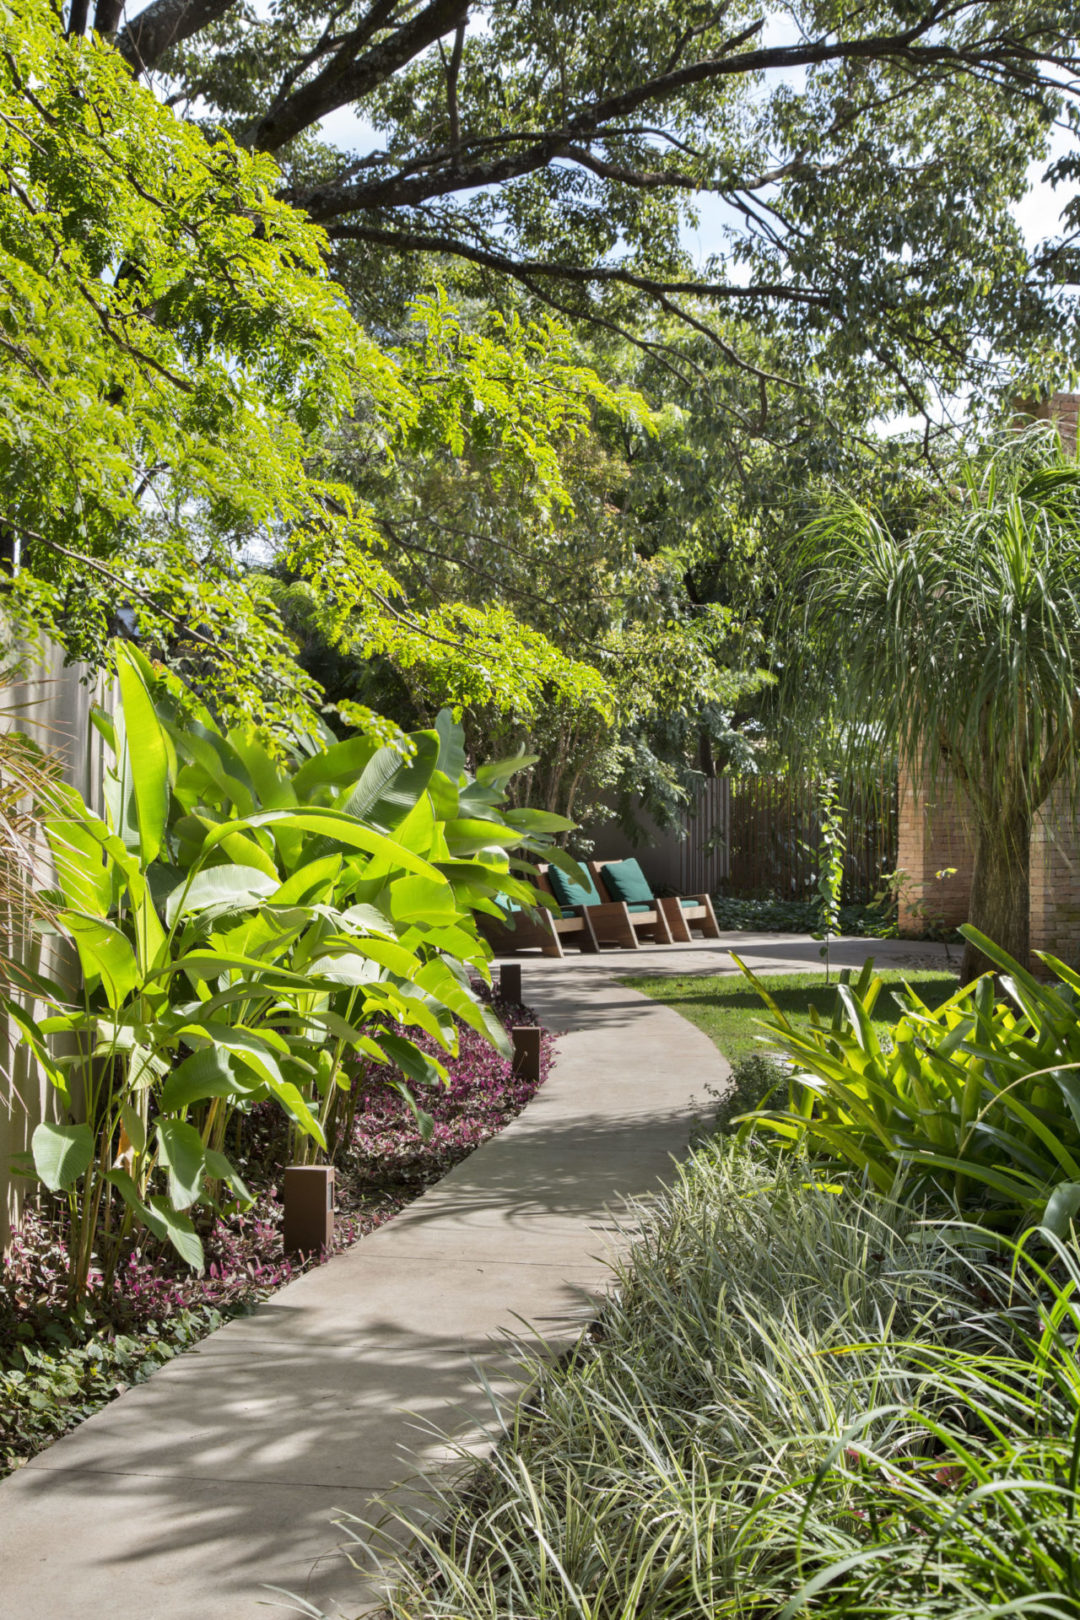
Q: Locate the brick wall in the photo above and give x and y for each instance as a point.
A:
(1064, 409)
(1055, 880)
(933, 836)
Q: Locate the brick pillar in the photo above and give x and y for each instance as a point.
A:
(933, 836)
(1055, 880)
(1055, 838)
(1064, 409)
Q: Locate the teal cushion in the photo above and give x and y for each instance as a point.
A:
(639, 905)
(571, 894)
(624, 880)
(689, 905)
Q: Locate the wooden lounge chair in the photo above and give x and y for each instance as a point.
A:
(585, 914)
(548, 931)
(681, 914)
(611, 920)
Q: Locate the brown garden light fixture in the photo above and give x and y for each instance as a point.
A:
(309, 1208)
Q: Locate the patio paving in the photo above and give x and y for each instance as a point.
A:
(223, 1475)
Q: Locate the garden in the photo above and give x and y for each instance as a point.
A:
(238, 1018)
(836, 1372)
(441, 443)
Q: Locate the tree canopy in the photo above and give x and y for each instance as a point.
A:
(257, 376)
(174, 362)
(861, 161)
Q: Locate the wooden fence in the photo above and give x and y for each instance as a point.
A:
(704, 854)
(50, 701)
(755, 836)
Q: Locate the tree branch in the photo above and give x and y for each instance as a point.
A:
(78, 17)
(107, 16)
(163, 24)
(126, 587)
(417, 242)
(348, 78)
(443, 172)
(453, 70)
(342, 83)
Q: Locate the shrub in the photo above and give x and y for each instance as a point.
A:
(795, 1402)
(253, 927)
(776, 916)
(976, 1103)
(753, 1079)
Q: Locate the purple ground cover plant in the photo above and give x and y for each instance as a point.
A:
(56, 1368)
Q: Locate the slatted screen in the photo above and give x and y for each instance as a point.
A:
(755, 836)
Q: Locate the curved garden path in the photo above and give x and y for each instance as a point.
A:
(223, 1473)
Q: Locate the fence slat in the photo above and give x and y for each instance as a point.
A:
(756, 836)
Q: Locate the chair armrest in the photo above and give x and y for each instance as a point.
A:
(611, 923)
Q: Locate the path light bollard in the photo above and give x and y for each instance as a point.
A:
(510, 983)
(309, 1208)
(526, 1039)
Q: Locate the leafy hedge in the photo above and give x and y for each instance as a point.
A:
(775, 916)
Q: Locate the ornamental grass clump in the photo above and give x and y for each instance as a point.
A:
(798, 1400)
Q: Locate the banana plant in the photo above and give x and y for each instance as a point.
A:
(251, 926)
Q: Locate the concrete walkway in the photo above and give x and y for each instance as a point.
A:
(223, 1473)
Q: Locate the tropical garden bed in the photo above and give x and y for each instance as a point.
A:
(771, 915)
(58, 1365)
(837, 1373)
(798, 1401)
(280, 965)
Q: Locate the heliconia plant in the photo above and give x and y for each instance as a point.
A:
(249, 924)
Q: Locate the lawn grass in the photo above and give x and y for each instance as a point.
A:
(727, 1007)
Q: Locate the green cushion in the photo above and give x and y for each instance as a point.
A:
(571, 894)
(624, 880)
(639, 905)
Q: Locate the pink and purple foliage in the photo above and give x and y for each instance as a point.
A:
(385, 1165)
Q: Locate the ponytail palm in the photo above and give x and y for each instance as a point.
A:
(960, 644)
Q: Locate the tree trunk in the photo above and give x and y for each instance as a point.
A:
(1001, 887)
(107, 16)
